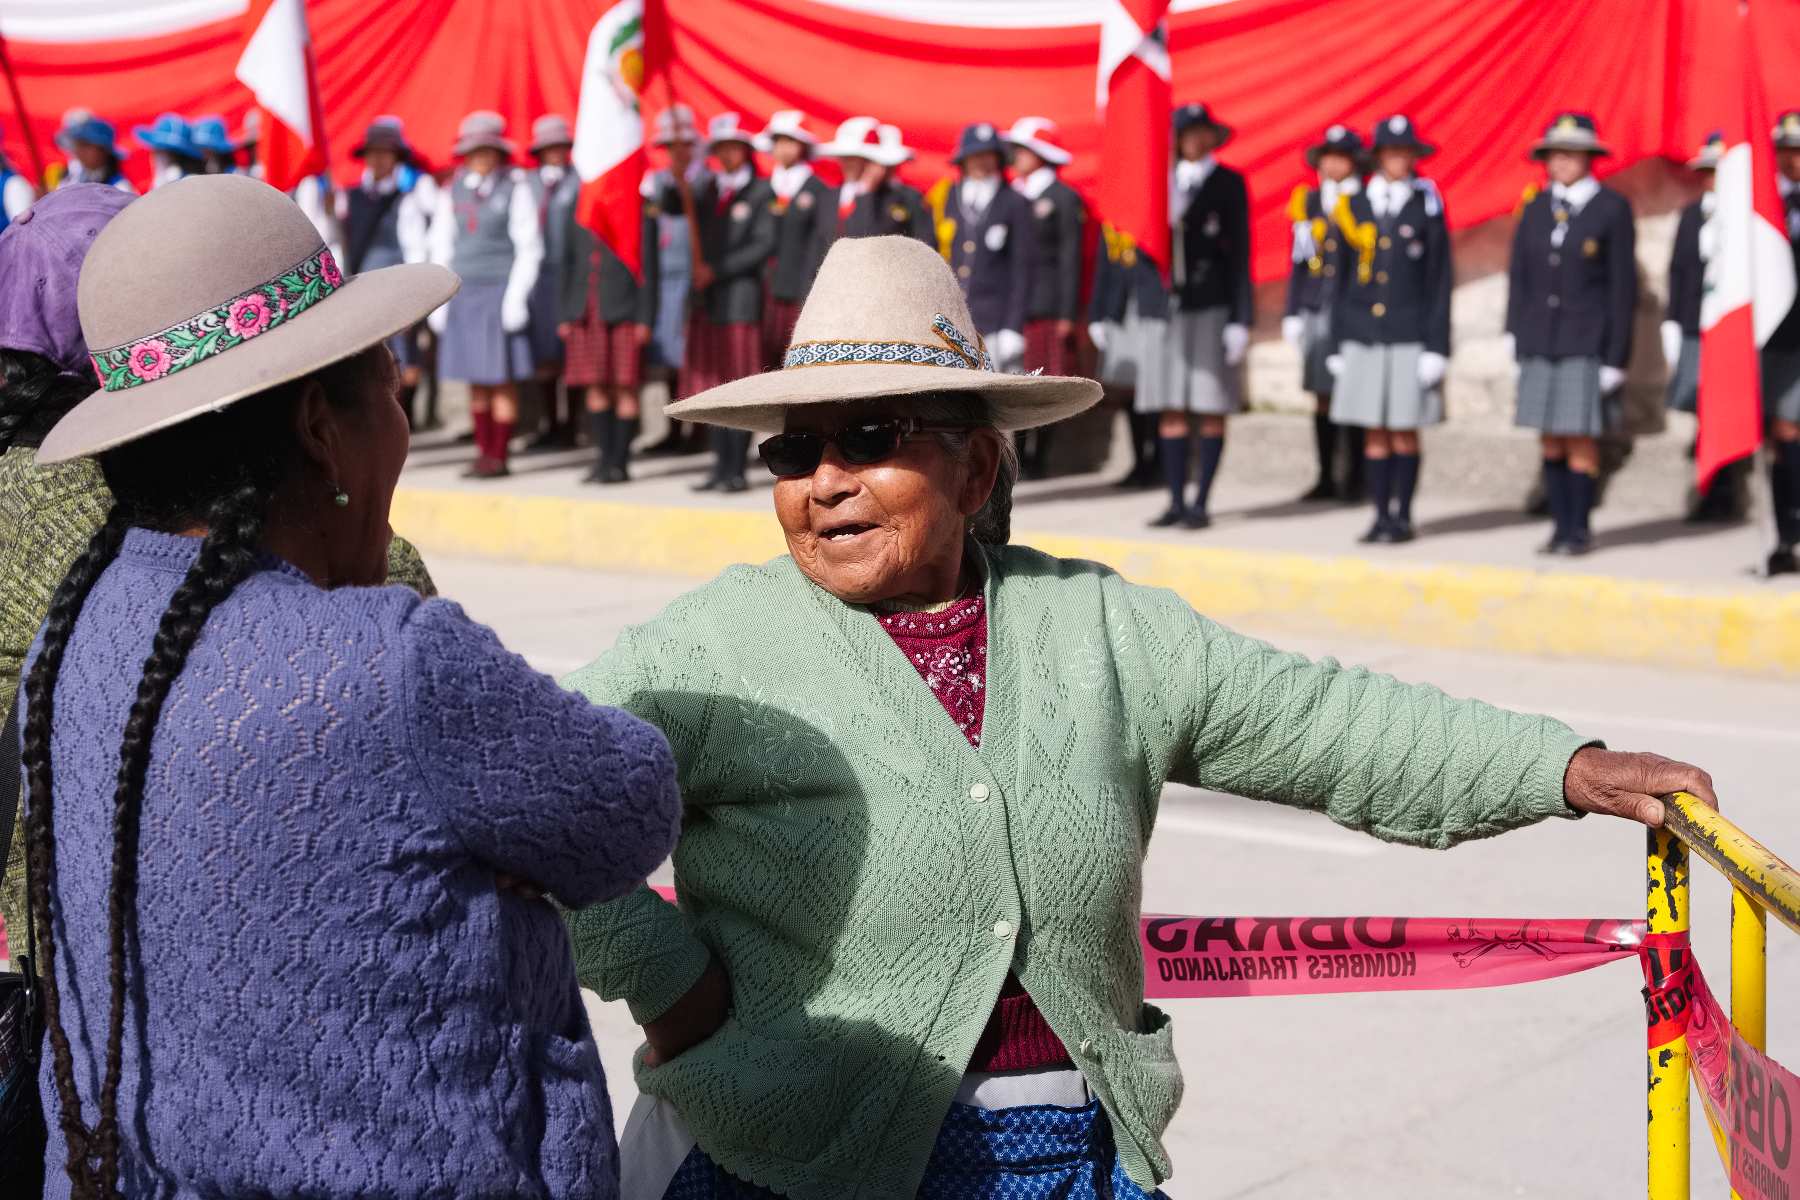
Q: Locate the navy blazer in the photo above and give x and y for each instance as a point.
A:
(1120, 273)
(892, 208)
(1313, 279)
(737, 239)
(1057, 219)
(1212, 247)
(804, 226)
(1575, 299)
(992, 253)
(1687, 274)
(1406, 295)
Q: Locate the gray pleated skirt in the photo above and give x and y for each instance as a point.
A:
(1684, 383)
(474, 348)
(1200, 381)
(1781, 385)
(1137, 356)
(1561, 397)
(1379, 388)
(1315, 348)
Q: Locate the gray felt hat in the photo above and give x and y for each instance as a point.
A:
(214, 288)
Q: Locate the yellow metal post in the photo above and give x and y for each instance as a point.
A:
(1749, 970)
(1667, 912)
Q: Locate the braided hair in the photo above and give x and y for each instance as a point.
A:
(34, 395)
(195, 473)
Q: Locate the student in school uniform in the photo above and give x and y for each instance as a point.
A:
(1057, 219)
(1128, 322)
(804, 218)
(58, 173)
(386, 219)
(850, 147)
(677, 135)
(170, 141)
(1390, 320)
(607, 318)
(1338, 158)
(985, 231)
(1781, 368)
(887, 205)
(555, 187)
(737, 232)
(486, 230)
(1210, 208)
(94, 154)
(218, 153)
(1573, 289)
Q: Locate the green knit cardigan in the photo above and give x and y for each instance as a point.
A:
(47, 517)
(868, 878)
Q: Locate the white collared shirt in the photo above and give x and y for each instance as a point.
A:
(1577, 194)
(552, 175)
(1330, 190)
(735, 181)
(1035, 184)
(1388, 196)
(977, 194)
(787, 181)
(1190, 174)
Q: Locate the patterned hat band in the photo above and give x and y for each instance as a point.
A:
(247, 315)
(957, 351)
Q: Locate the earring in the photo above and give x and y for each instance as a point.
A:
(342, 498)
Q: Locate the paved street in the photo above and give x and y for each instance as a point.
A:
(1529, 1091)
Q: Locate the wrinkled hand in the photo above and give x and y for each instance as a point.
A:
(1237, 344)
(1431, 369)
(512, 885)
(1097, 334)
(1631, 785)
(1671, 343)
(1611, 380)
(691, 1019)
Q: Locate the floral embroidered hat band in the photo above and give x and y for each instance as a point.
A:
(886, 318)
(212, 289)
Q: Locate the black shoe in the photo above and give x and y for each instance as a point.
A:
(670, 443)
(1399, 532)
(1141, 475)
(1169, 519)
(1782, 562)
(1195, 519)
(477, 469)
(1377, 532)
(595, 474)
(1556, 545)
(614, 474)
(1578, 544)
(1322, 490)
(551, 439)
(737, 483)
(711, 484)
(488, 468)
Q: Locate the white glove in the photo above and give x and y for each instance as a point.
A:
(1097, 334)
(1671, 340)
(1431, 369)
(1611, 380)
(515, 313)
(1293, 330)
(439, 319)
(1237, 342)
(1008, 346)
(1335, 364)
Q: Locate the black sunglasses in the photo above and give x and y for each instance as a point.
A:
(788, 454)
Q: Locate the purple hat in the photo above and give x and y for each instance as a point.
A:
(40, 258)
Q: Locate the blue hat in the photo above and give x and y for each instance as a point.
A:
(1397, 133)
(1187, 116)
(1787, 130)
(1570, 131)
(209, 134)
(170, 134)
(979, 138)
(1339, 139)
(91, 131)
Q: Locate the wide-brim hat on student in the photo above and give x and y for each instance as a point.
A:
(891, 149)
(788, 123)
(40, 258)
(728, 127)
(168, 133)
(1338, 139)
(675, 124)
(857, 137)
(483, 130)
(214, 288)
(384, 133)
(979, 138)
(1188, 116)
(92, 132)
(1399, 133)
(210, 135)
(1038, 135)
(1787, 130)
(1571, 131)
(885, 317)
(72, 118)
(550, 130)
(1711, 151)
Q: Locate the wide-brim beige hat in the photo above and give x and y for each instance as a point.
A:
(885, 317)
(214, 288)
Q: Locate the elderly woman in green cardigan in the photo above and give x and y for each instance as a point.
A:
(921, 767)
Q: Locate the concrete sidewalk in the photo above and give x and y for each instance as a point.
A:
(1655, 591)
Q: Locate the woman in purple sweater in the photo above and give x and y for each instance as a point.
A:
(276, 811)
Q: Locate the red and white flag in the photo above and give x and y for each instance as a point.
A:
(277, 67)
(1750, 277)
(1132, 93)
(609, 133)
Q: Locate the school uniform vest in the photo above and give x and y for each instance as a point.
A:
(484, 249)
(1572, 295)
(374, 227)
(556, 217)
(1395, 283)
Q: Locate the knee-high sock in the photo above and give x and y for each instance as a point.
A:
(1142, 429)
(1174, 454)
(1356, 462)
(1580, 491)
(1210, 450)
(484, 432)
(1325, 440)
(737, 452)
(625, 430)
(1380, 475)
(1784, 480)
(604, 426)
(717, 439)
(502, 444)
(1406, 482)
(1556, 495)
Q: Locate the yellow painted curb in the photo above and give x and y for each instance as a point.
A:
(1494, 609)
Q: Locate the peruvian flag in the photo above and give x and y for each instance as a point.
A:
(1750, 278)
(609, 133)
(277, 67)
(1132, 93)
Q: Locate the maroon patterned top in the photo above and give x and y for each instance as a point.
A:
(949, 650)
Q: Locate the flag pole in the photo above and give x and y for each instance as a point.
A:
(18, 99)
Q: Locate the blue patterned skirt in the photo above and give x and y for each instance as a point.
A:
(1035, 1152)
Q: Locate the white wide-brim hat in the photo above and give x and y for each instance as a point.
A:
(885, 317)
(788, 123)
(214, 288)
(1035, 134)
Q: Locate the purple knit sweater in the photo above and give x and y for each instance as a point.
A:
(327, 996)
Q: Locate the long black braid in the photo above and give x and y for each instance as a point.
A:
(34, 394)
(221, 470)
